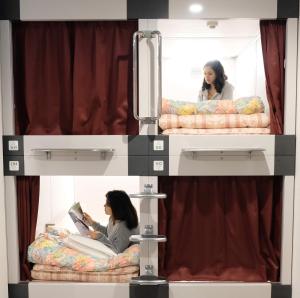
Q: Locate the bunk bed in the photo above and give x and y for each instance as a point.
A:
(110, 154)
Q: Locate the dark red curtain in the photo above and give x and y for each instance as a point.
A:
(220, 228)
(70, 78)
(228, 228)
(74, 77)
(273, 35)
(28, 191)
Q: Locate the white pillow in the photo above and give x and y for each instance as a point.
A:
(89, 246)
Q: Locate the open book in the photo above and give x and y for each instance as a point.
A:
(77, 216)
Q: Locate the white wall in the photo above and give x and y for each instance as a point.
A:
(3, 241)
(186, 50)
(58, 193)
(296, 244)
(56, 197)
(250, 76)
(8, 128)
(73, 10)
(183, 61)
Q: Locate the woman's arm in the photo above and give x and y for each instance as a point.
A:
(118, 241)
(99, 228)
(95, 225)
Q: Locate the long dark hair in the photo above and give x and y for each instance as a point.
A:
(219, 82)
(122, 208)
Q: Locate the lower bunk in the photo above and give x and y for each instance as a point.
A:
(54, 273)
(221, 210)
(67, 257)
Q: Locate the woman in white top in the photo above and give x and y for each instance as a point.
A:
(123, 222)
(214, 84)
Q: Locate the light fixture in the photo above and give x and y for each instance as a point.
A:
(195, 8)
(212, 24)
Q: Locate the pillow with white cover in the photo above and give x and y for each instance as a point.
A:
(89, 246)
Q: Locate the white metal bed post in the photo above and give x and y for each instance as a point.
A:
(6, 52)
(289, 129)
(296, 234)
(148, 208)
(3, 237)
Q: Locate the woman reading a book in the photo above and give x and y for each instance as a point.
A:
(123, 222)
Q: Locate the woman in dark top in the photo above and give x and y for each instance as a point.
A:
(123, 222)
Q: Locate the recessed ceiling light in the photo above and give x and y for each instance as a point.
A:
(196, 8)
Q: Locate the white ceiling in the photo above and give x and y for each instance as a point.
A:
(227, 40)
(198, 28)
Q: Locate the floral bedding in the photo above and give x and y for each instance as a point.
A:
(49, 249)
(260, 120)
(216, 131)
(123, 270)
(77, 276)
(53, 273)
(244, 105)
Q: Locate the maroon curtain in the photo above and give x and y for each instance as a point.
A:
(70, 78)
(228, 228)
(28, 190)
(273, 47)
(74, 77)
(220, 228)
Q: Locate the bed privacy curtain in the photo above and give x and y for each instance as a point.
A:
(220, 228)
(70, 78)
(228, 228)
(28, 191)
(273, 34)
(74, 77)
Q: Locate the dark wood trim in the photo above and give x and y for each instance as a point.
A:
(287, 9)
(281, 291)
(10, 10)
(147, 9)
(19, 290)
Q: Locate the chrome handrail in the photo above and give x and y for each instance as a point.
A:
(140, 35)
(136, 34)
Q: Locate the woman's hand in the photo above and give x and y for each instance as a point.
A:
(87, 218)
(94, 234)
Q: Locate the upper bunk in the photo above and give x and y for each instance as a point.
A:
(249, 62)
(86, 88)
(95, 103)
